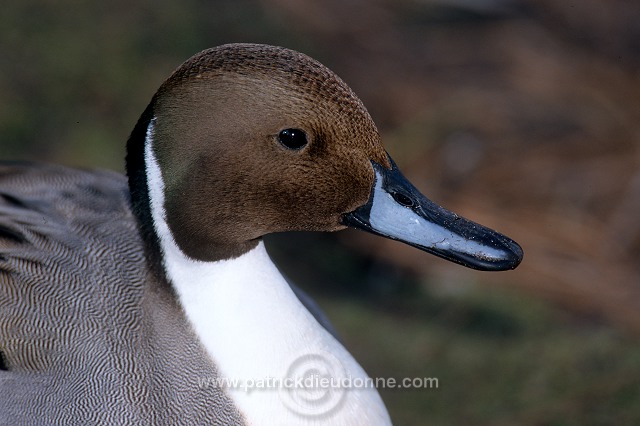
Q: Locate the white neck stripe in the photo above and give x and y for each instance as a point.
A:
(253, 326)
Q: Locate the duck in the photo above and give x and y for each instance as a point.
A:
(151, 299)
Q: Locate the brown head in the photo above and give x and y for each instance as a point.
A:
(254, 139)
(232, 175)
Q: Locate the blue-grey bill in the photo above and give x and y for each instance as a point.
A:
(397, 210)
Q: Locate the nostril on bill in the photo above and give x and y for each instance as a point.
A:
(402, 199)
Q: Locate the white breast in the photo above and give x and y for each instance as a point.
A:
(258, 333)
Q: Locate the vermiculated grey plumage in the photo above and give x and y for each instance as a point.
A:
(85, 332)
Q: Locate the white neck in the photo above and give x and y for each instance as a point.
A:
(255, 329)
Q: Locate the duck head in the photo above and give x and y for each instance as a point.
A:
(254, 139)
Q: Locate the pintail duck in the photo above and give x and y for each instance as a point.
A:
(119, 301)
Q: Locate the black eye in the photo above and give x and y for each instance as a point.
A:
(293, 138)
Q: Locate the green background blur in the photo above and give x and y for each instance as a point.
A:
(522, 115)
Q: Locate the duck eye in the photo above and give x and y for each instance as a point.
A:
(292, 138)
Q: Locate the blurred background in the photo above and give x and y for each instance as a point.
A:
(523, 115)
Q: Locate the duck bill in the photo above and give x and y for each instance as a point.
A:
(397, 210)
